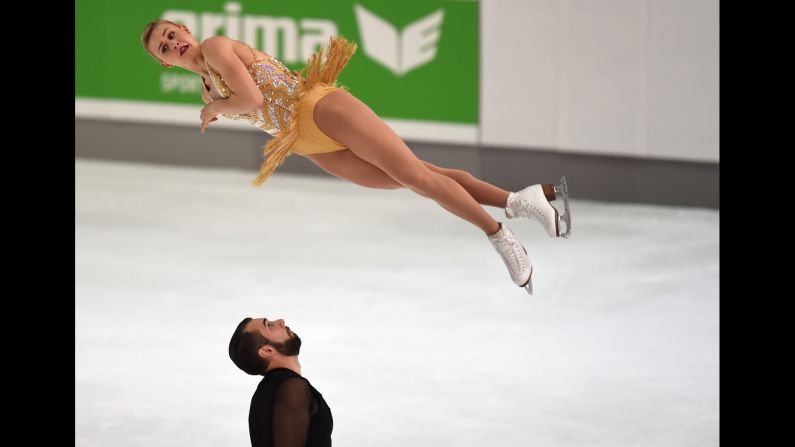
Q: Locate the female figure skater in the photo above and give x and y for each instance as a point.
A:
(321, 121)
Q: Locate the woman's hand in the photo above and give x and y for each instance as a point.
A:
(208, 115)
(206, 97)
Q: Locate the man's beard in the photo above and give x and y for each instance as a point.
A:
(289, 348)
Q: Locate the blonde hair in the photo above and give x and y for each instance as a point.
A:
(147, 34)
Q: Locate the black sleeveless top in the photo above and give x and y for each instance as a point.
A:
(286, 410)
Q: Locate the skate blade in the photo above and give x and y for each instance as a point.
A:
(529, 285)
(562, 190)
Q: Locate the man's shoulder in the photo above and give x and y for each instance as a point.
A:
(272, 379)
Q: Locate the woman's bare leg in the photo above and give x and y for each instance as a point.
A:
(485, 193)
(346, 165)
(351, 122)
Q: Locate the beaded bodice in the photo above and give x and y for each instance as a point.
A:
(280, 92)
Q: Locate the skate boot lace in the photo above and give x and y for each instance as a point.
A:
(522, 207)
(508, 246)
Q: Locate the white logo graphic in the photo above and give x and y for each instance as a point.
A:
(287, 39)
(400, 52)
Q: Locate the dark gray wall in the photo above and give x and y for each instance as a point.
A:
(606, 178)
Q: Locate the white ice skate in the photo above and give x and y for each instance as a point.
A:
(514, 256)
(534, 202)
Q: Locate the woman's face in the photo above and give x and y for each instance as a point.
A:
(172, 44)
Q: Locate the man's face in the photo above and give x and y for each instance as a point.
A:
(285, 341)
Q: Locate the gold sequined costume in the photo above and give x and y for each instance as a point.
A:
(289, 100)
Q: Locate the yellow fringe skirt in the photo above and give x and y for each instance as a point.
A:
(303, 136)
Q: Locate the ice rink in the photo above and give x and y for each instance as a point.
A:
(412, 329)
